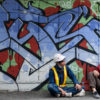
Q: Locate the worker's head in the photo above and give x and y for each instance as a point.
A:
(59, 59)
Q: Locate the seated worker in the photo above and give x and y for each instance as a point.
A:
(94, 82)
(58, 77)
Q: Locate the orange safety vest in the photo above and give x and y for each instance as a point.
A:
(57, 78)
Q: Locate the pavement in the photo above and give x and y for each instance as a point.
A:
(38, 95)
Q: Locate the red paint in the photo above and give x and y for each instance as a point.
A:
(51, 10)
(77, 27)
(90, 68)
(83, 66)
(4, 55)
(11, 57)
(81, 3)
(14, 70)
(87, 3)
(83, 44)
(34, 45)
(68, 41)
(86, 69)
(24, 31)
(42, 25)
(8, 24)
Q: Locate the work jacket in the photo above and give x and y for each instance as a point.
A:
(60, 72)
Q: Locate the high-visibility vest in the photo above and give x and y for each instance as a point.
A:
(57, 78)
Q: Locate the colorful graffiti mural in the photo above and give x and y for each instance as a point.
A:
(32, 31)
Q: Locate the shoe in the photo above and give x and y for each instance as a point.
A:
(57, 95)
(68, 94)
(80, 94)
(96, 95)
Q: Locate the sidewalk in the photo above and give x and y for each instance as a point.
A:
(38, 95)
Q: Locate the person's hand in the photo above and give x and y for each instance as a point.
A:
(96, 73)
(78, 87)
(62, 91)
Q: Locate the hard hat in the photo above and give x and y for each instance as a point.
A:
(58, 57)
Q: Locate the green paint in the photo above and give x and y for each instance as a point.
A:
(9, 63)
(13, 62)
(61, 45)
(66, 4)
(22, 30)
(70, 85)
(24, 2)
(96, 7)
(84, 21)
(45, 87)
(77, 71)
(10, 52)
(39, 53)
(6, 65)
(27, 45)
(42, 4)
(45, 4)
(36, 3)
(89, 47)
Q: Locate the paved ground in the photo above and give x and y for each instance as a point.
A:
(40, 95)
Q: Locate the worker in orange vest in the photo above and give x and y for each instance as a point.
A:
(58, 77)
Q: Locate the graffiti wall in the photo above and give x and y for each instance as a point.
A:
(32, 31)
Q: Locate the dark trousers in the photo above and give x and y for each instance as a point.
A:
(53, 89)
(94, 82)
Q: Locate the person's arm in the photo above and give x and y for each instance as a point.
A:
(96, 72)
(98, 68)
(51, 77)
(62, 91)
(73, 78)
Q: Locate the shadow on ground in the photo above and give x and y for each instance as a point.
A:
(38, 95)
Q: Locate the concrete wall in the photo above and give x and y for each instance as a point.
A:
(32, 32)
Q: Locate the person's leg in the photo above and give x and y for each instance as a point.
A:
(94, 84)
(72, 90)
(98, 90)
(53, 89)
(92, 81)
(98, 85)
